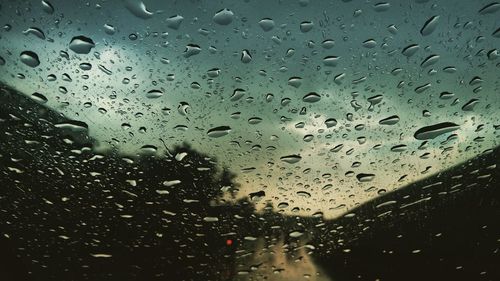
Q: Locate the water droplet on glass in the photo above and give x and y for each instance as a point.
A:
(365, 177)
(254, 120)
(306, 26)
(266, 24)
(469, 106)
(35, 31)
(490, 8)
(237, 94)
(39, 98)
(331, 60)
(223, 17)
(219, 131)
(330, 122)
(291, 159)
(370, 43)
(30, 58)
(246, 57)
(295, 82)
(191, 50)
(328, 43)
(391, 120)
(430, 132)
(109, 29)
(154, 94)
(381, 7)
(429, 26)
(81, 44)
(47, 7)
(85, 66)
(174, 22)
(410, 50)
(138, 9)
(311, 97)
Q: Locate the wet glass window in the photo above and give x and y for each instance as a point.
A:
(270, 140)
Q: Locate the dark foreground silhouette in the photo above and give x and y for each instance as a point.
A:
(67, 213)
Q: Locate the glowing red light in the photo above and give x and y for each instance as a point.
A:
(229, 242)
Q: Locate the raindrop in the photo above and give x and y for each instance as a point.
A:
(85, 66)
(35, 31)
(109, 29)
(291, 159)
(149, 149)
(430, 60)
(283, 205)
(429, 26)
(306, 26)
(496, 33)
(219, 131)
(183, 108)
(73, 125)
(330, 122)
(223, 17)
(365, 177)
(138, 9)
(391, 120)
(237, 94)
(81, 44)
(311, 97)
(154, 94)
(30, 58)
(47, 7)
(254, 120)
(382, 6)
(399, 148)
(410, 50)
(295, 234)
(430, 132)
(39, 98)
(328, 43)
(266, 24)
(191, 50)
(304, 194)
(469, 106)
(246, 57)
(295, 82)
(490, 8)
(370, 43)
(174, 22)
(331, 60)
(446, 95)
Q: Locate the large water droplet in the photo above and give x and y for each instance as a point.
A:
(306, 26)
(154, 94)
(429, 26)
(391, 120)
(47, 7)
(81, 44)
(266, 24)
(311, 97)
(223, 17)
(291, 159)
(430, 132)
(490, 8)
(35, 31)
(362, 177)
(219, 131)
(174, 22)
(138, 9)
(246, 57)
(30, 58)
(191, 50)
